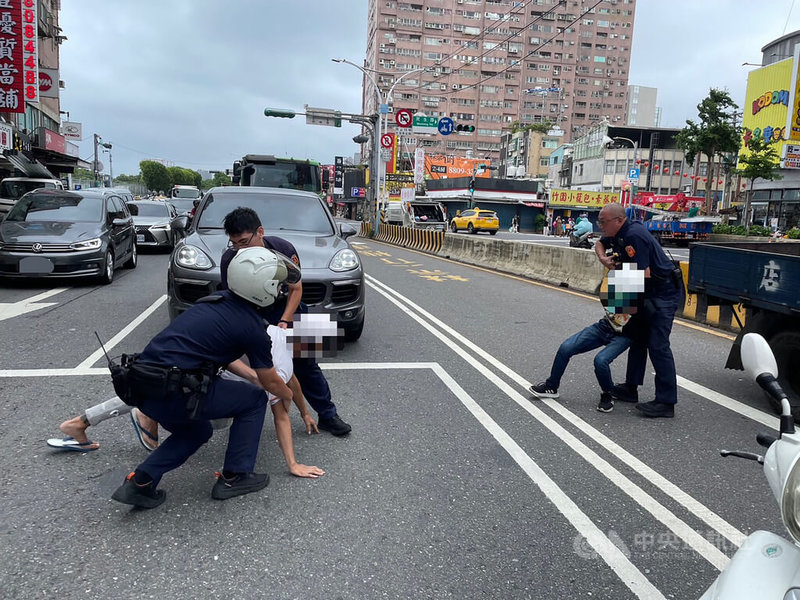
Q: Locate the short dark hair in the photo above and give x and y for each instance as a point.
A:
(241, 220)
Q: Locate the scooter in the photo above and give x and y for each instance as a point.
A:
(767, 565)
(576, 242)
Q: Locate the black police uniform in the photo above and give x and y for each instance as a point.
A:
(313, 383)
(662, 293)
(210, 332)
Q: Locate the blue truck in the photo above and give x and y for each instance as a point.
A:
(680, 231)
(765, 279)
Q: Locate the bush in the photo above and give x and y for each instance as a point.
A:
(538, 222)
(755, 230)
(793, 233)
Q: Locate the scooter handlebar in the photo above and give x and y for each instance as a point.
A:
(765, 439)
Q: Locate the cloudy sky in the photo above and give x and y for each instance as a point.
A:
(188, 80)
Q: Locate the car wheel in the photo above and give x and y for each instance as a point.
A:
(108, 271)
(470, 228)
(453, 228)
(493, 232)
(351, 335)
(134, 259)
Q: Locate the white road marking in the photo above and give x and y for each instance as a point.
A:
(9, 310)
(701, 545)
(733, 405)
(95, 356)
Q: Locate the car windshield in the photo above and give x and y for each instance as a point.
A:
(148, 210)
(293, 176)
(190, 193)
(182, 206)
(16, 189)
(70, 209)
(277, 212)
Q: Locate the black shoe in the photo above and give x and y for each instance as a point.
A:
(241, 483)
(656, 409)
(622, 392)
(542, 390)
(606, 404)
(334, 425)
(143, 496)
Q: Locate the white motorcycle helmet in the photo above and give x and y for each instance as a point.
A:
(256, 274)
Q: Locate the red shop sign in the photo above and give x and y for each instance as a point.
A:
(19, 55)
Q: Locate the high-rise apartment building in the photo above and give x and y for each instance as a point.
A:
(640, 107)
(489, 63)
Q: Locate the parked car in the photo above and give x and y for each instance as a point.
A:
(333, 280)
(13, 188)
(157, 223)
(57, 233)
(475, 220)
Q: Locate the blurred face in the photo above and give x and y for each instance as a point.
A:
(609, 224)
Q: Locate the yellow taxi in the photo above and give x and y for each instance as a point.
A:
(475, 220)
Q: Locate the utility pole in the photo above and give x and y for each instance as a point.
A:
(95, 170)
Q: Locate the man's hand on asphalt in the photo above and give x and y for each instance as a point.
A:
(311, 424)
(299, 470)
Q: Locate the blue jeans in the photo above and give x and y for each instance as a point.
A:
(594, 336)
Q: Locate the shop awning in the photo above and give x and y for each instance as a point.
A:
(31, 168)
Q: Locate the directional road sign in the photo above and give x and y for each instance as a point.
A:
(403, 117)
(424, 124)
(323, 116)
(446, 126)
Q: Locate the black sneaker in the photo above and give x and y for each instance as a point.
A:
(622, 392)
(655, 409)
(143, 496)
(334, 425)
(241, 483)
(542, 390)
(606, 404)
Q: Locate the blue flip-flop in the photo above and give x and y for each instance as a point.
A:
(146, 439)
(71, 444)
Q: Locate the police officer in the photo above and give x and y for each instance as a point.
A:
(244, 229)
(632, 243)
(215, 332)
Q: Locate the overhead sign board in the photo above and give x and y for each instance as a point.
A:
(323, 116)
(72, 130)
(580, 198)
(424, 124)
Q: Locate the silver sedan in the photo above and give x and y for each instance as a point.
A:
(157, 223)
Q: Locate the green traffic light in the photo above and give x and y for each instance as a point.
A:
(281, 113)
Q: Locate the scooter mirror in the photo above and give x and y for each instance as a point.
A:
(757, 356)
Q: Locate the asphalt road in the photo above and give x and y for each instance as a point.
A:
(453, 484)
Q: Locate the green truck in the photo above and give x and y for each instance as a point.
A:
(265, 170)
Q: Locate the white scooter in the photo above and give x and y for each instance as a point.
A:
(766, 565)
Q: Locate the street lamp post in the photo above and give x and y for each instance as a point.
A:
(607, 140)
(378, 164)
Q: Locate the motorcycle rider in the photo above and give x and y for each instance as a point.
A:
(583, 229)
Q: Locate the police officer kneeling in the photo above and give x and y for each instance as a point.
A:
(174, 380)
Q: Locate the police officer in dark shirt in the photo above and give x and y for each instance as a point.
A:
(632, 243)
(243, 227)
(215, 332)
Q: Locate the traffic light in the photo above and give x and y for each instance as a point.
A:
(465, 128)
(279, 112)
(472, 185)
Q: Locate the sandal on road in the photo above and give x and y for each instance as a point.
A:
(71, 444)
(148, 441)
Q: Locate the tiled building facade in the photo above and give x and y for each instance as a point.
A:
(489, 63)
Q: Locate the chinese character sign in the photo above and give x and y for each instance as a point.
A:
(580, 198)
(19, 56)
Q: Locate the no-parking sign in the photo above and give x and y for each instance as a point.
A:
(403, 117)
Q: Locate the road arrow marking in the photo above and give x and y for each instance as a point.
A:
(9, 310)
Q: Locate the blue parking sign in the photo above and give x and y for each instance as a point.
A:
(633, 174)
(446, 126)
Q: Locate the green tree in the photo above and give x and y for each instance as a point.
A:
(759, 161)
(155, 176)
(83, 174)
(128, 178)
(219, 179)
(715, 134)
(181, 176)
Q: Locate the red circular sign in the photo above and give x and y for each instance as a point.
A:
(45, 82)
(386, 140)
(403, 117)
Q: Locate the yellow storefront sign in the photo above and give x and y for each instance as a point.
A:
(766, 105)
(582, 199)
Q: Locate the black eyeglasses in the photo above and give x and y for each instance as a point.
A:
(242, 243)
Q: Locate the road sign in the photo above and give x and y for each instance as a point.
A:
(386, 154)
(446, 125)
(633, 174)
(358, 192)
(323, 116)
(424, 124)
(387, 140)
(384, 109)
(403, 117)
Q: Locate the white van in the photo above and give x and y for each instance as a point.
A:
(13, 188)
